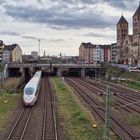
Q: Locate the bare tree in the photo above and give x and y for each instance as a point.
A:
(137, 58)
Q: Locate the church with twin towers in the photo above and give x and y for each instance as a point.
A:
(128, 46)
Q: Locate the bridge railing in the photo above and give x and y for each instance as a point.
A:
(53, 65)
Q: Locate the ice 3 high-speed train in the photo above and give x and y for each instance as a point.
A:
(31, 89)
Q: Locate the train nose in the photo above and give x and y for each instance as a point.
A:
(28, 99)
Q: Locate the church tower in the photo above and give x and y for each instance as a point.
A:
(136, 27)
(122, 32)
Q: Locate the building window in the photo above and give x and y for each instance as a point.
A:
(135, 30)
(135, 43)
(135, 24)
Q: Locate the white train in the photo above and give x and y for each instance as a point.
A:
(31, 89)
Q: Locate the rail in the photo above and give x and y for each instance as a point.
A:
(120, 128)
(14, 134)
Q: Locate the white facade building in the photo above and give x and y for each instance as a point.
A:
(113, 55)
(6, 55)
(98, 55)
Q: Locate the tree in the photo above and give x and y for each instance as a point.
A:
(138, 55)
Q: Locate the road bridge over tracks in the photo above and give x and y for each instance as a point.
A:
(56, 68)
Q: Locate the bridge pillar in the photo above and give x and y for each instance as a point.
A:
(59, 72)
(32, 71)
(22, 71)
(83, 72)
(5, 72)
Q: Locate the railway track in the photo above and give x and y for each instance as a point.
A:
(120, 99)
(132, 95)
(18, 130)
(39, 121)
(49, 131)
(124, 131)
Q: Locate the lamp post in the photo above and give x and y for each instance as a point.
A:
(38, 50)
(39, 47)
(60, 72)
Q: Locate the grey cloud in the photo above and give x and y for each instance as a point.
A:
(56, 27)
(116, 3)
(89, 1)
(30, 37)
(43, 39)
(93, 34)
(55, 17)
(9, 33)
(39, 1)
(57, 40)
(2, 1)
(78, 22)
(33, 38)
(123, 4)
(81, 1)
(65, 14)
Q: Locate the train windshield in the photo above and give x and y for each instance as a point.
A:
(29, 91)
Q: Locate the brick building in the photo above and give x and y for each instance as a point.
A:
(89, 52)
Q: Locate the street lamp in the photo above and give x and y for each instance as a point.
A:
(39, 47)
(60, 66)
(38, 50)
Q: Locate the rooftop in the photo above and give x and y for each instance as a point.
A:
(137, 12)
(10, 47)
(89, 45)
(122, 20)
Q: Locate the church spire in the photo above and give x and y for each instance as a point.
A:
(137, 12)
(122, 20)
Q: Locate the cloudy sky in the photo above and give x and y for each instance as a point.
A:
(61, 25)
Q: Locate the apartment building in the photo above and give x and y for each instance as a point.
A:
(12, 53)
(113, 56)
(86, 52)
(98, 55)
(91, 53)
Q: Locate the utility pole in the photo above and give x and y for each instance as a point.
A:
(38, 50)
(107, 106)
(39, 47)
(60, 73)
